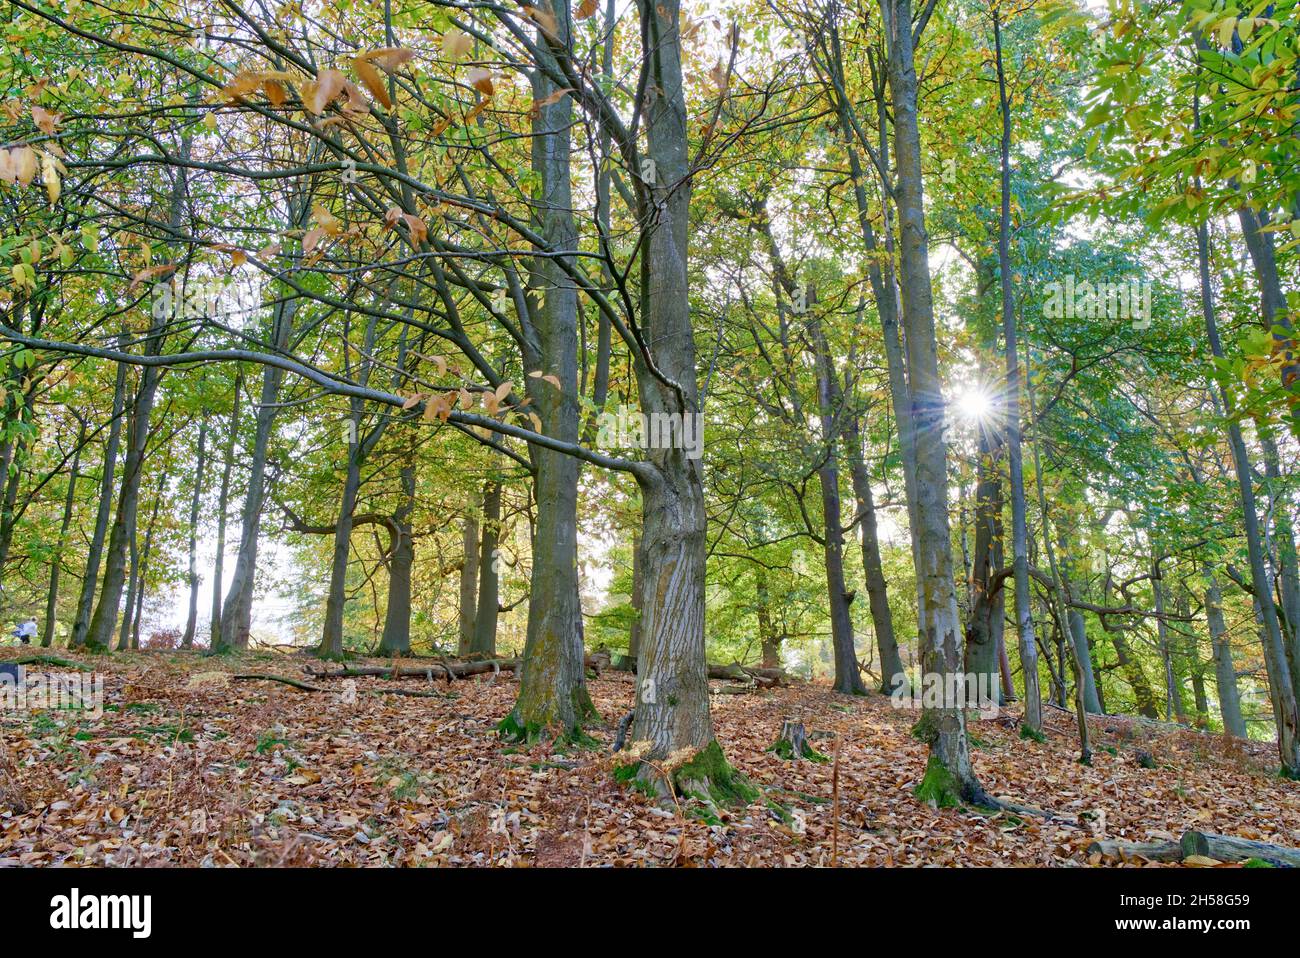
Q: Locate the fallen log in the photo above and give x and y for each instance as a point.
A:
(259, 676)
(1125, 851)
(735, 672)
(1227, 848)
(448, 670)
(1199, 846)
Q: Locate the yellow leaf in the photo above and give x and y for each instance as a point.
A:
(24, 164)
(389, 58)
(456, 43)
(372, 81)
(544, 19)
(587, 8)
(324, 90)
(276, 94)
(50, 176)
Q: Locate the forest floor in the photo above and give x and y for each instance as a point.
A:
(188, 767)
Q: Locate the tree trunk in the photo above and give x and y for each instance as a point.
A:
(123, 532)
(892, 674)
(237, 610)
(988, 600)
(140, 576)
(950, 776)
(1279, 674)
(485, 619)
(1225, 672)
(768, 640)
(192, 618)
(848, 679)
(223, 500)
(1284, 536)
(1019, 521)
(331, 645)
(397, 617)
(552, 685)
(468, 583)
(56, 565)
(672, 702)
(1173, 699)
(103, 513)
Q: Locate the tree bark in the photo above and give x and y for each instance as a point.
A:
(485, 619)
(950, 776)
(192, 618)
(1225, 672)
(1033, 715)
(223, 501)
(56, 565)
(552, 685)
(468, 583)
(396, 638)
(672, 702)
(103, 513)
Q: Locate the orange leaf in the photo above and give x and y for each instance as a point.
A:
(373, 81)
(481, 79)
(46, 120)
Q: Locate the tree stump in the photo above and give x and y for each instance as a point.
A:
(793, 744)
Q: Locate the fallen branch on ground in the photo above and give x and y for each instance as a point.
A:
(1202, 845)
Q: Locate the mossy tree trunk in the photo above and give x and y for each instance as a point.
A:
(552, 679)
(672, 724)
(941, 640)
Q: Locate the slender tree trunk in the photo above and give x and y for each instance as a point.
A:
(468, 583)
(192, 618)
(56, 565)
(848, 679)
(988, 599)
(892, 674)
(768, 640)
(1173, 698)
(1019, 522)
(1284, 536)
(331, 645)
(140, 576)
(103, 514)
(237, 610)
(485, 619)
(1225, 672)
(122, 535)
(223, 503)
(950, 776)
(1279, 674)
